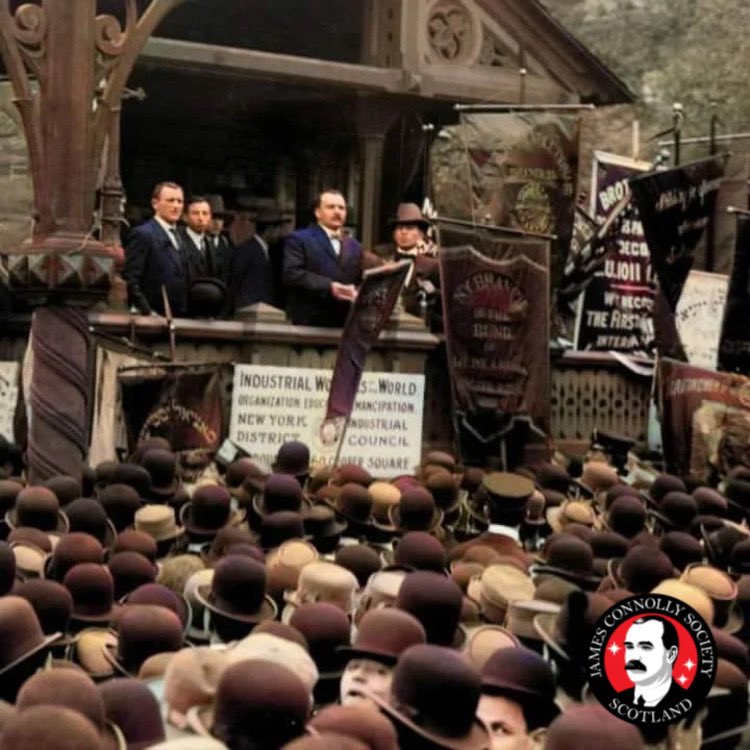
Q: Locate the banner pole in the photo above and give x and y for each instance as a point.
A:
(341, 442)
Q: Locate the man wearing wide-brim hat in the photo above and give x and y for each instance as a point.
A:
(409, 228)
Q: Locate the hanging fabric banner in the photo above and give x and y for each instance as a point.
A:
(615, 311)
(496, 316)
(734, 346)
(376, 298)
(675, 206)
(181, 402)
(705, 419)
(511, 170)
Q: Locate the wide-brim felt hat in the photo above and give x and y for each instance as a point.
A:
(476, 739)
(236, 517)
(546, 626)
(267, 611)
(82, 618)
(47, 642)
(169, 490)
(409, 213)
(588, 582)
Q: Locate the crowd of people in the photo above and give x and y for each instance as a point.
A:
(278, 607)
(183, 255)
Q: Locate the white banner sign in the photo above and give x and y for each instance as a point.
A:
(271, 405)
(699, 315)
(8, 398)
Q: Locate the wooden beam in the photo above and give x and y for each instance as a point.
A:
(445, 82)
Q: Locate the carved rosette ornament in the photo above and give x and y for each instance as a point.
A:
(80, 62)
(454, 33)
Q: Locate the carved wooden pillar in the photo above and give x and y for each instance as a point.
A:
(81, 63)
(374, 117)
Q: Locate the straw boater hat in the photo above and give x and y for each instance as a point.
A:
(722, 591)
(485, 640)
(499, 585)
(159, 522)
(322, 581)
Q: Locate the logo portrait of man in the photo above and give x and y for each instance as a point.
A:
(651, 648)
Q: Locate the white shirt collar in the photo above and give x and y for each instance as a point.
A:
(170, 229)
(196, 238)
(497, 528)
(331, 234)
(653, 693)
(262, 243)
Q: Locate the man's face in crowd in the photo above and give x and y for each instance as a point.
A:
(216, 225)
(331, 212)
(503, 718)
(406, 236)
(368, 674)
(199, 216)
(646, 659)
(168, 206)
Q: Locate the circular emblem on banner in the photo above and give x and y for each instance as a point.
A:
(533, 208)
(652, 660)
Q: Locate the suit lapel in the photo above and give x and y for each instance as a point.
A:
(325, 242)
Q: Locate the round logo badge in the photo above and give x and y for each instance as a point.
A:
(652, 660)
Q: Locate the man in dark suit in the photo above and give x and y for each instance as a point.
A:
(252, 277)
(322, 267)
(651, 649)
(195, 237)
(156, 256)
(219, 244)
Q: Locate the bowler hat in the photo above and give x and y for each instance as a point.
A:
(51, 601)
(598, 476)
(9, 490)
(39, 508)
(356, 722)
(350, 474)
(73, 689)
(605, 545)
(161, 464)
(226, 538)
(434, 697)
(277, 528)
(280, 492)
(322, 527)
(681, 548)
(591, 726)
(257, 702)
(444, 488)
(384, 634)
(643, 568)
(209, 510)
(93, 590)
(241, 469)
(626, 516)
(236, 596)
(131, 540)
(142, 631)
(325, 627)
(435, 600)
(88, 516)
(409, 214)
(361, 559)
(23, 644)
(571, 559)
(421, 551)
(293, 457)
(161, 596)
(134, 475)
(72, 549)
(129, 571)
(66, 488)
(149, 443)
(523, 676)
(710, 501)
(664, 484)
(132, 706)
(384, 496)
(720, 542)
(120, 502)
(416, 511)
(618, 490)
(50, 726)
(550, 476)
(679, 509)
(206, 297)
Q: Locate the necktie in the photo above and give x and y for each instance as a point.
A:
(336, 242)
(175, 238)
